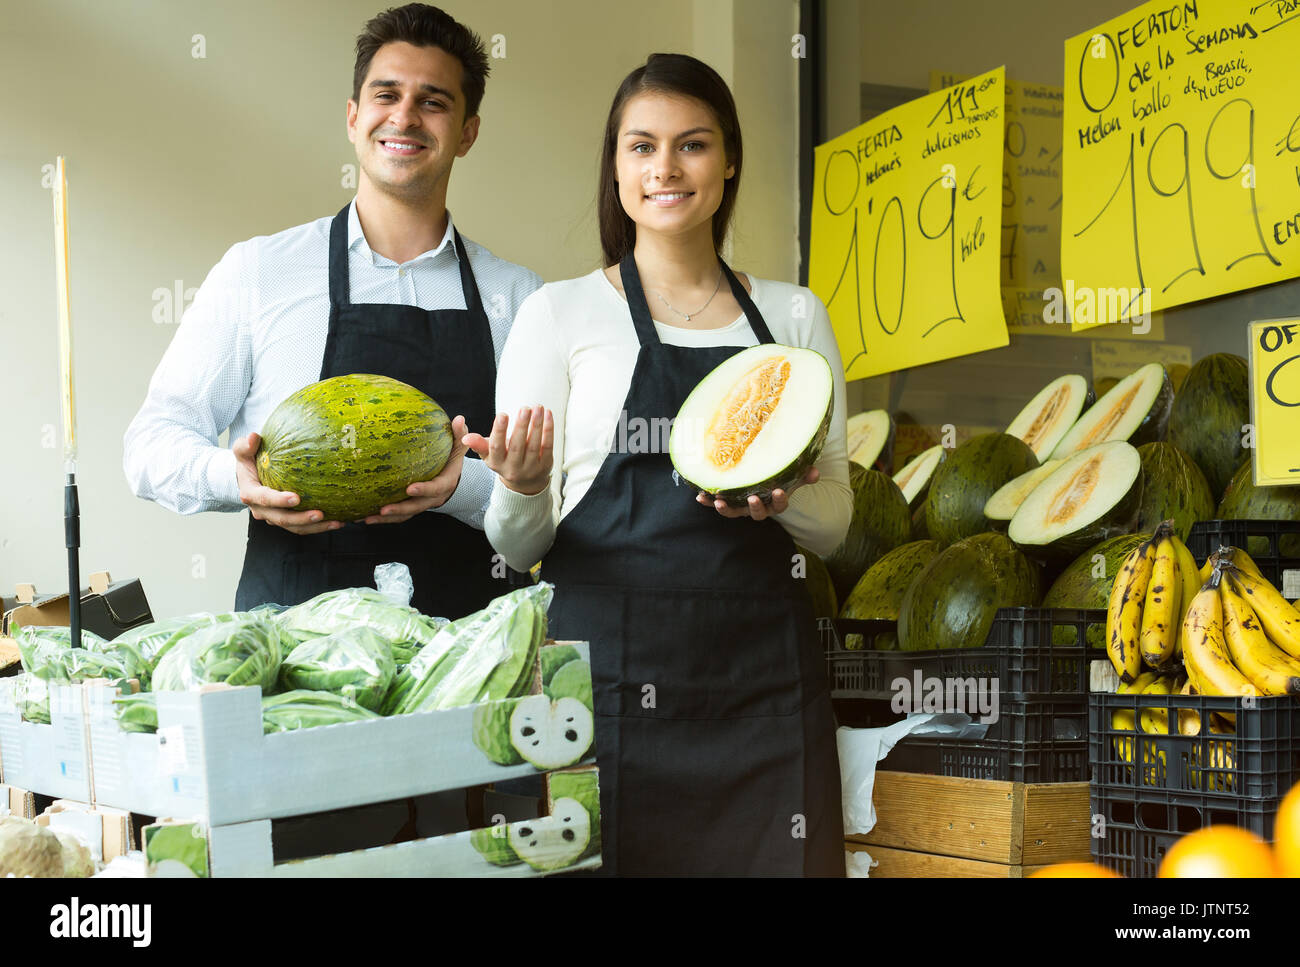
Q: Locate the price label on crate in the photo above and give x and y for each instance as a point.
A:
(1274, 359)
(905, 245)
(1182, 156)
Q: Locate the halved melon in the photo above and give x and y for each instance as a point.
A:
(1136, 409)
(755, 424)
(1050, 415)
(1002, 506)
(1090, 497)
(914, 479)
(871, 440)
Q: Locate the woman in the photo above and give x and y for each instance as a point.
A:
(714, 728)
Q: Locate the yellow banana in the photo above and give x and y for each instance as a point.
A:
(1189, 719)
(1124, 613)
(1205, 653)
(1234, 556)
(1242, 562)
(1160, 610)
(1126, 720)
(1272, 670)
(1156, 720)
(1188, 585)
(1280, 619)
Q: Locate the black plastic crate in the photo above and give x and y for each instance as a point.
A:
(1260, 760)
(1035, 654)
(1133, 837)
(1207, 536)
(1007, 761)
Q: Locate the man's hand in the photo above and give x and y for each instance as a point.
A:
(524, 461)
(267, 504)
(427, 494)
(757, 509)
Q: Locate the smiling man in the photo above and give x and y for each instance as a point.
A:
(386, 286)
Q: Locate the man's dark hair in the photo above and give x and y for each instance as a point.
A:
(425, 26)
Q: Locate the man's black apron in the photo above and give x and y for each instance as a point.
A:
(446, 353)
(715, 734)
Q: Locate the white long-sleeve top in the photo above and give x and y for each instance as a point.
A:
(255, 334)
(573, 349)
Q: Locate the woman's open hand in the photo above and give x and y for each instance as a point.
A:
(756, 508)
(524, 460)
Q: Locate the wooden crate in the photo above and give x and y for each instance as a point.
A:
(946, 826)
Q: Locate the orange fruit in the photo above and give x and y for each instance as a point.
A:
(1286, 834)
(1074, 871)
(1217, 852)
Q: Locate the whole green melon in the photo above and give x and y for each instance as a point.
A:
(879, 593)
(963, 483)
(881, 522)
(951, 604)
(348, 445)
(1210, 410)
(1242, 500)
(820, 586)
(1086, 583)
(1173, 488)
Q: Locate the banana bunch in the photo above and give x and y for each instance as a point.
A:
(1149, 601)
(1151, 760)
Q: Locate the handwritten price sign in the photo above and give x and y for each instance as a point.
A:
(1275, 400)
(1182, 155)
(905, 230)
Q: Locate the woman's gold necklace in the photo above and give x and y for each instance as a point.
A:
(687, 315)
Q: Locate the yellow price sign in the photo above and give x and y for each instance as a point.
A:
(1275, 400)
(905, 230)
(1182, 156)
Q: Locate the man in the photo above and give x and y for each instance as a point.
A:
(387, 286)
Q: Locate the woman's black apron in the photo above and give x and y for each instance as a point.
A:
(446, 353)
(715, 734)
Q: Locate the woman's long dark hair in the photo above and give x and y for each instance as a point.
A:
(665, 74)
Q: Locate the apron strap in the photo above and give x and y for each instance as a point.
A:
(645, 327)
(338, 260)
(756, 320)
(474, 304)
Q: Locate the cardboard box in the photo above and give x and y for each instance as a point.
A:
(53, 759)
(17, 802)
(107, 832)
(210, 761)
(107, 608)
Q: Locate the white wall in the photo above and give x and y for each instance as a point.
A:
(173, 158)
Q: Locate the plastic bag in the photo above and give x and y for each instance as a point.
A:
(497, 651)
(137, 712)
(394, 582)
(355, 663)
(303, 709)
(32, 697)
(405, 629)
(42, 649)
(243, 651)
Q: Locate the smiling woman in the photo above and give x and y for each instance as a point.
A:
(714, 730)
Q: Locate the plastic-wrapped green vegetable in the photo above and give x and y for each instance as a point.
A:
(137, 712)
(80, 664)
(355, 663)
(32, 696)
(500, 645)
(146, 644)
(43, 649)
(304, 709)
(242, 651)
(405, 629)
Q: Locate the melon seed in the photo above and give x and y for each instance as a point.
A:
(1101, 431)
(746, 409)
(1046, 417)
(1076, 490)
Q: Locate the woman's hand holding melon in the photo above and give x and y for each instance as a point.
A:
(757, 509)
(523, 461)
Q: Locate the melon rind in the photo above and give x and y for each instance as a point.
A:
(1143, 421)
(397, 436)
(1109, 509)
(731, 486)
(1074, 394)
(1002, 506)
